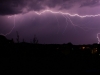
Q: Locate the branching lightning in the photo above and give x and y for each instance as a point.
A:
(59, 12)
(71, 15)
(65, 15)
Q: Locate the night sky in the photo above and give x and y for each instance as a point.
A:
(50, 28)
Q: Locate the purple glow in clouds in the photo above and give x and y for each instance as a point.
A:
(63, 20)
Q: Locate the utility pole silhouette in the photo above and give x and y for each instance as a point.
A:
(35, 41)
(17, 36)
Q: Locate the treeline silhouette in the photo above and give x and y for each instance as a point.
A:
(30, 58)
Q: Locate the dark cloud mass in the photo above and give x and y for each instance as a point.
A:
(91, 3)
(10, 7)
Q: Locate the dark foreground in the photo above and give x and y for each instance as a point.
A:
(30, 59)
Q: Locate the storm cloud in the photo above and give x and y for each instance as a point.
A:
(11, 7)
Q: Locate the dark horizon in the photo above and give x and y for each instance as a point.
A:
(33, 58)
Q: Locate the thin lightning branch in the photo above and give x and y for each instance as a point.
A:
(66, 22)
(78, 25)
(66, 19)
(71, 22)
(12, 28)
(74, 24)
(66, 25)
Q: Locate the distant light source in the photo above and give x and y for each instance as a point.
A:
(99, 54)
(83, 47)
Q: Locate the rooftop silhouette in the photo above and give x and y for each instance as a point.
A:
(4, 40)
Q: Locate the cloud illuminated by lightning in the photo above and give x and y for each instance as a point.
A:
(72, 15)
(62, 13)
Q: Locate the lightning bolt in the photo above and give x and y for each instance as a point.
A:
(59, 12)
(66, 16)
(62, 13)
(71, 15)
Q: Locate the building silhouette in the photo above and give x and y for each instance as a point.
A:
(4, 40)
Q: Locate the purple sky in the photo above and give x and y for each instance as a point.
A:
(48, 27)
